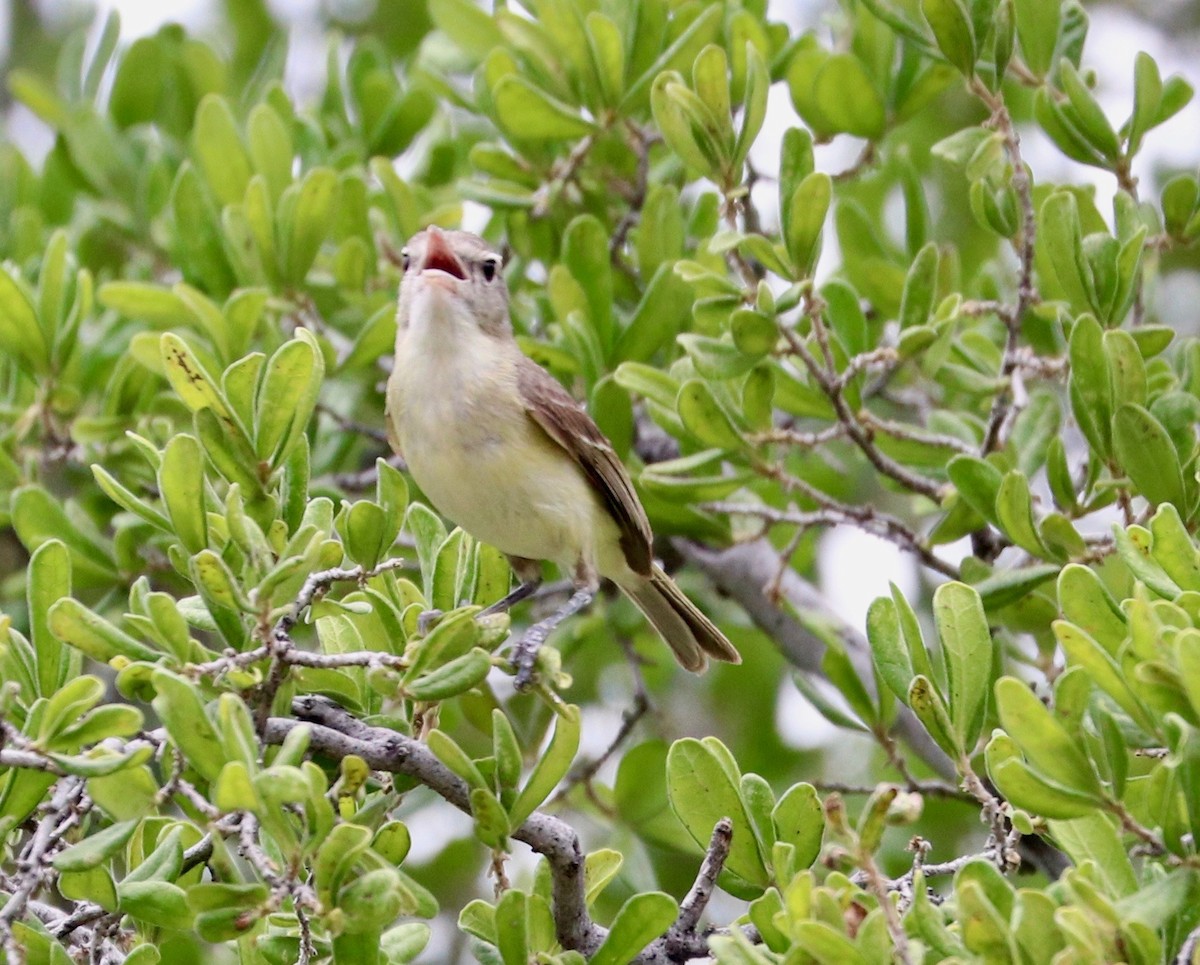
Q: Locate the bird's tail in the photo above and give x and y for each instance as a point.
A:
(689, 633)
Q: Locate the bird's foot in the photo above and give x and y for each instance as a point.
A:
(525, 655)
(427, 620)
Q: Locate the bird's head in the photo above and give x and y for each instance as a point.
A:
(452, 277)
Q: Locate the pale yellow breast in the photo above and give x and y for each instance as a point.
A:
(479, 458)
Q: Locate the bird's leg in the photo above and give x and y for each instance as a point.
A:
(587, 583)
(529, 572)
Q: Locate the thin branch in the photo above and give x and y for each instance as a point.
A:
(33, 863)
(867, 518)
(902, 430)
(938, 789)
(353, 426)
(1003, 405)
(279, 645)
(879, 886)
(629, 720)
(337, 733)
(827, 380)
(1190, 948)
(561, 174)
(697, 898)
(742, 571)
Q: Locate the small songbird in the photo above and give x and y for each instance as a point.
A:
(501, 449)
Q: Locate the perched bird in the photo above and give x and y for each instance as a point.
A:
(503, 451)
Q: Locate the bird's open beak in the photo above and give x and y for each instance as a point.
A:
(441, 263)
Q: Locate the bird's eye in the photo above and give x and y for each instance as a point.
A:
(404, 258)
(490, 265)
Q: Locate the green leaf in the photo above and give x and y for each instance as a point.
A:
(73, 623)
(528, 113)
(640, 920)
(1090, 119)
(1024, 789)
(835, 94)
(20, 332)
(311, 208)
(1062, 240)
(1014, 513)
(920, 286)
(967, 646)
(807, 208)
(704, 417)
(179, 707)
(926, 702)
(978, 483)
(758, 84)
(189, 378)
(1173, 548)
(472, 29)
(799, 820)
(1094, 838)
(608, 55)
(1043, 740)
(702, 792)
(551, 767)
(1147, 455)
(1085, 652)
(1037, 30)
(1086, 602)
(585, 253)
(96, 848)
(681, 128)
(286, 397)
(952, 29)
(49, 581)
(219, 151)
(1090, 385)
(181, 483)
(511, 923)
(452, 678)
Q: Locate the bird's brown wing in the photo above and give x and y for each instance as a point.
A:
(567, 423)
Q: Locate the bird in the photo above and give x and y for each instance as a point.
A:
(503, 451)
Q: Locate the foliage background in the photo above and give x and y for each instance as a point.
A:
(109, 199)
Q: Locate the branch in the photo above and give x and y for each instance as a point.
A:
(561, 174)
(1003, 406)
(696, 900)
(629, 720)
(829, 382)
(336, 733)
(34, 860)
(866, 518)
(742, 571)
(1189, 949)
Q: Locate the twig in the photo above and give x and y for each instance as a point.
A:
(867, 518)
(939, 789)
(352, 425)
(561, 174)
(629, 720)
(33, 861)
(279, 645)
(364, 479)
(1190, 948)
(882, 889)
(639, 142)
(697, 898)
(1002, 405)
(337, 733)
(827, 380)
